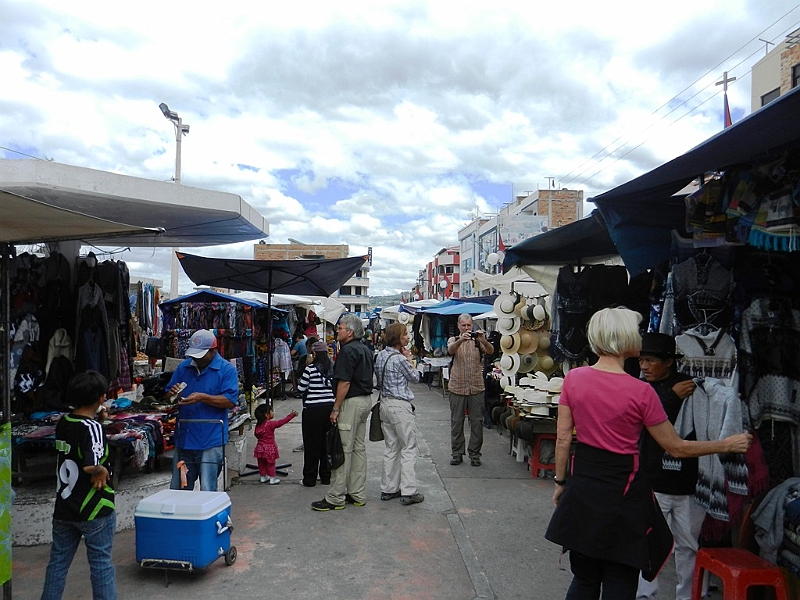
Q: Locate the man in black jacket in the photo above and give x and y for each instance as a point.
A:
(674, 489)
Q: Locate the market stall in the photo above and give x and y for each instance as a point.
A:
(721, 265)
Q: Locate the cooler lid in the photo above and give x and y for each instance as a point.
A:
(182, 504)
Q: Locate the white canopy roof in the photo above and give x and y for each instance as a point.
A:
(187, 215)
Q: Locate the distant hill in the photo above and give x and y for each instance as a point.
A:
(382, 301)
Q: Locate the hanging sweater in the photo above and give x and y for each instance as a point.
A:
(714, 412)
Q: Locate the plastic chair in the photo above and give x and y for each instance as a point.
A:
(535, 461)
(738, 568)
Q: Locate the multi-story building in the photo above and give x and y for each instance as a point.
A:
(441, 278)
(354, 294)
(776, 73)
(526, 216)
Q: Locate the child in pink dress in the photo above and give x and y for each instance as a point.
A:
(266, 450)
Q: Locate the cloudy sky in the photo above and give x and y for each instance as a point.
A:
(375, 124)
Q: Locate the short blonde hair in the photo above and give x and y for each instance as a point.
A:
(615, 332)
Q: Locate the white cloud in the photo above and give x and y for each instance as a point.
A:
(370, 124)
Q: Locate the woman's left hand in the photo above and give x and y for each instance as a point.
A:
(557, 494)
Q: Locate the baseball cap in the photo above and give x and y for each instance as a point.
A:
(199, 344)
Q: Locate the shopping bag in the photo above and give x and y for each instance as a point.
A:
(334, 447)
(375, 430)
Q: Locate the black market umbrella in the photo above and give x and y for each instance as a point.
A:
(583, 239)
(319, 277)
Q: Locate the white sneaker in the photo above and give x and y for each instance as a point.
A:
(263, 479)
(274, 481)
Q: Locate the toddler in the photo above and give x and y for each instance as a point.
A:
(266, 449)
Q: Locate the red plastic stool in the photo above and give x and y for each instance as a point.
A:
(534, 461)
(739, 569)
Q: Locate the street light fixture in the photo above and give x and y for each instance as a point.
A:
(180, 130)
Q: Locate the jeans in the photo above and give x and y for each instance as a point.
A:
(206, 464)
(98, 535)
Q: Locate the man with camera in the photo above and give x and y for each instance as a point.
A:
(466, 390)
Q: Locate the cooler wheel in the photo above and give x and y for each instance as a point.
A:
(230, 556)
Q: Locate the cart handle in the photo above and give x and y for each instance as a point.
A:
(223, 528)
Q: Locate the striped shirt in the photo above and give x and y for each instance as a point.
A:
(317, 389)
(393, 374)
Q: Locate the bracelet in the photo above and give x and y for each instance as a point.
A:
(559, 481)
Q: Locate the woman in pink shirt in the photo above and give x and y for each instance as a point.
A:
(606, 514)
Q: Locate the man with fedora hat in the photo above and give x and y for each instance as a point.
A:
(674, 489)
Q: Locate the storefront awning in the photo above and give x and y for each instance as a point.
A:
(28, 221)
(641, 213)
(183, 215)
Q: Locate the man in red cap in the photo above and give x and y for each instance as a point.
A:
(212, 387)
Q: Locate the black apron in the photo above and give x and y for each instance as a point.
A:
(609, 512)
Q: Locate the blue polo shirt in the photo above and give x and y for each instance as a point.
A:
(218, 378)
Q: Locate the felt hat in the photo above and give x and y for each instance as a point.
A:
(507, 325)
(200, 343)
(510, 343)
(319, 346)
(660, 345)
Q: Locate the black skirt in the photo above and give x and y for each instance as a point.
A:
(609, 512)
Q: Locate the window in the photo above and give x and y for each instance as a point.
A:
(770, 96)
(795, 75)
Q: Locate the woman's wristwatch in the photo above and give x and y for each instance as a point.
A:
(559, 481)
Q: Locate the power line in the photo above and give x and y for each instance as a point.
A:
(588, 162)
(22, 153)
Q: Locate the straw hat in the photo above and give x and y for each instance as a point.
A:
(509, 364)
(403, 318)
(555, 385)
(506, 304)
(544, 340)
(528, 341)
(546, 362)
(510, 343)
(508, 325)
(527, 363)
(506, 383)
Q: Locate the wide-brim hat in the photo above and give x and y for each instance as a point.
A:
(660, 345)
(509, 364)
(544, 340)
(555, 385)
(546, 362)
(510, 343)
(506, 304)
(527, 363)
(528, 341)
(507, 325)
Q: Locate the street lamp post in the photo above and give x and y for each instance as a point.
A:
(180, 131)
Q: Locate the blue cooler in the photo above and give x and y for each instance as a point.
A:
(178, 529)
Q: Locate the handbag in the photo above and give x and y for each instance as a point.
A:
(334, 447)
(375, 429)
(155, 347)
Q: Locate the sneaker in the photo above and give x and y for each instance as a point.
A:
(350, 500)
(390, 495)
(274, 481)
(263, 479)
(324, 506)
(457, 459)
(475, 461)
(300, 448)
(412, 499)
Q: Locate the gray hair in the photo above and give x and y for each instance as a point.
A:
(464, 317)
(352, 322)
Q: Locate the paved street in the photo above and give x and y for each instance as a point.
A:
(478, 534)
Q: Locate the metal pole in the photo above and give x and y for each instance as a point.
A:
(178, 135)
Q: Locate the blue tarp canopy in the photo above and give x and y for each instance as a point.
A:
(212, 296)
(456, 307)
(640, 214)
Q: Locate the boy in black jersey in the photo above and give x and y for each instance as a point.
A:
(85, 499)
